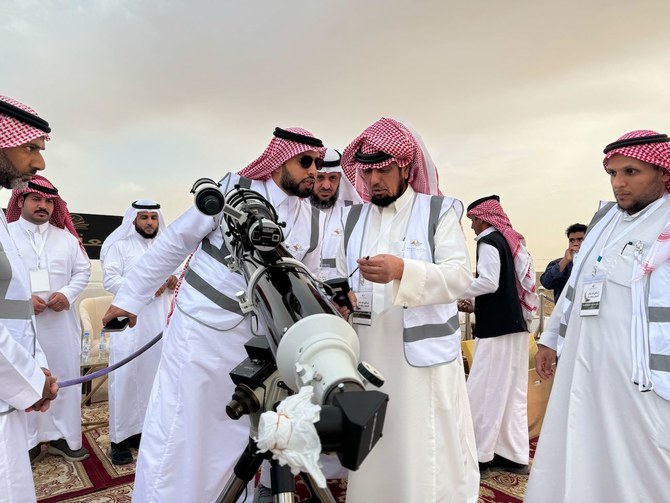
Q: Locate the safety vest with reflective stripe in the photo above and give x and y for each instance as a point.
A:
(432, 333)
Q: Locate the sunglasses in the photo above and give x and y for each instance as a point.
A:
(306, 162)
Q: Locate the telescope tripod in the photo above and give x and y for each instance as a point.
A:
(282, 480)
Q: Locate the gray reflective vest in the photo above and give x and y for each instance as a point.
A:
(431, 334)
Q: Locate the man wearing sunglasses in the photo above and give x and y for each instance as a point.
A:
(332, 193)
(189, 444)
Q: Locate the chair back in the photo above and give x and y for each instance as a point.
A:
(91, 311)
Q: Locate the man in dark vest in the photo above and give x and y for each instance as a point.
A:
(504, 302)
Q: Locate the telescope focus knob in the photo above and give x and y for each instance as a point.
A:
(371, 374)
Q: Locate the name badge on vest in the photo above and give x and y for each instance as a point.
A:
(39, 280)
(363, 312)
(592, 293)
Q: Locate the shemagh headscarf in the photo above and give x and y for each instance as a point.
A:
(332, 163)
(384, 142)
(127, 227)
(490, 211)
(20, 124)
(285, 144)
(60, 217)
(654, 148)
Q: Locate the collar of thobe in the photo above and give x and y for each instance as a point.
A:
(485, 232)
(31, 227)
(286, 206)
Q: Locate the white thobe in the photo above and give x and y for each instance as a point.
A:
(189, 444)
(427, 451)
(20, 374)
(603, 440)
(498, 380)
(130, 385)
(59, 333)
(333, 233)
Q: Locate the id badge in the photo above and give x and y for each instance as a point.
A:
(363, 312)
(592, 293)
(39, 280)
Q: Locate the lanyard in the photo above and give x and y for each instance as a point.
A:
(33, 243)
(607, 244)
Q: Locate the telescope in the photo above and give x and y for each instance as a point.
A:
(306, 343)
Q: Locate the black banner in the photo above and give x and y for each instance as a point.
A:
(94, 229)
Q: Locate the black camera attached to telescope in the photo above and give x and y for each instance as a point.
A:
(307, 344)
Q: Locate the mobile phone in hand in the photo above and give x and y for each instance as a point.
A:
(116, 324)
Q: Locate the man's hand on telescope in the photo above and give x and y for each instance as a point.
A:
(117, 312)
(344, 310)
(382, 268)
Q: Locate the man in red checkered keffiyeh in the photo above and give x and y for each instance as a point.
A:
(505, 302)
(390, 141)
(207, 329)
(60, 217)
(22, 137)
(26, 384)
(610, 400)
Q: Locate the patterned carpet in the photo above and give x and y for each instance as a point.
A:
(97, 480)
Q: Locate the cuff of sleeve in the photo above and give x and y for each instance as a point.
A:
(549, 339)
(32, 393)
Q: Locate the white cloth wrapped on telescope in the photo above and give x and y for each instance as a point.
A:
(291, 435)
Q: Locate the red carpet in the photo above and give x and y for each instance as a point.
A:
(97, 480)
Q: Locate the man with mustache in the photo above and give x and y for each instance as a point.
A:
(130, 385)
(189, 444)
(606, 431)
(408, 261)
(26, 383)
(558, 271)
(59, 271)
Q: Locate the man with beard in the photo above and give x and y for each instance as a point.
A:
(59, 270)
(189, 444)
(130, 385)
(406, 255)
(332, 193)
(26, 383)
(606, 432)
(504, 304)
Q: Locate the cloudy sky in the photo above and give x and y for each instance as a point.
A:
(511, 97)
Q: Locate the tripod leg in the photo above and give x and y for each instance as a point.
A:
(318, 495)
(245, 469)
(283, 483)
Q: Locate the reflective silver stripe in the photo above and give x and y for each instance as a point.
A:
(659, 362)
(433, 220)
(314, 231)
(328, 262)
(570, 294)
(5, 273)
(562, 328)
(659, 314)
(218, 254)
(598, 216)
(212, 293)
(421, 332)
(16, 309)
(11, 309)
(352, 218)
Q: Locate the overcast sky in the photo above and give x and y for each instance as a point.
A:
(511, 97)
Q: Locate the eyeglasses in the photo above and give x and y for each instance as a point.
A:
(306, 162)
